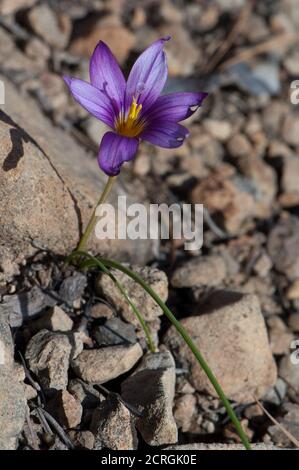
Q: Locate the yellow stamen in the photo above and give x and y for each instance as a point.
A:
(129, 125)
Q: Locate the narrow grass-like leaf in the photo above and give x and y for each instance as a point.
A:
(95, 262)
(181, 330)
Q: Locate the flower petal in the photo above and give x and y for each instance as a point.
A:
(92, 99)
(148, 75)
(106, 75)
(114, 151)
(175, 106)
(165, 134)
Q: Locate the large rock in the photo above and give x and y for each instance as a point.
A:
(12, 392)
(232, 337)
(48, 187)
(150, 389)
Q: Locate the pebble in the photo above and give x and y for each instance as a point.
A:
(200, 271)
(220, 130)
(53, 28)
(48, 355)
(66, 409)
(114, 332)
(54, 320)
(155, 401)
(113, 426)
(101, 365)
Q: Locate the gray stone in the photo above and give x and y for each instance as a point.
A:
(48, 355)
(72, 287)
(113, 426)
(114, 332)
(12, 408)
(200, 271)
(101, 365)
(150, 389)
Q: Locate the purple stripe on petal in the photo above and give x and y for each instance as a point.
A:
(92, 99)
(165, 134)
(106, 75)
(114, 151)
(175, 106)
(148, 76)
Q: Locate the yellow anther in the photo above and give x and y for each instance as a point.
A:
(134, 110)
(130, 126)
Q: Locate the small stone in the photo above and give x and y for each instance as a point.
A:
(55, 320)
(279, 336)
(110, 30)
(228, 196)
(184, 410)
(53, 28)
(155, 401)
(84, 393)
(290, 421)
(293, 322)
(239, 146)
(290, 129)
(293, 290)
(283, 246)
(289, 180)
(48, 355)
(225, 316)
(101, 310)
(37, 50)
(150, 310)
(12, 408)
(113, 426)
(66, 409)
(200, 271)
(263, 265)
(182, 54)
(277, 393)
(220, 130)
(6, 342)
(101, 365)
(26, 304)
(72, 287)
(114, 332)
(291, 63)
(8, 7)
(82, 439)
(289, 371)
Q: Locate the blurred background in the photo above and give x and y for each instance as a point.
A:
(241, 159)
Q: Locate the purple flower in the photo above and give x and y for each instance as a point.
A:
(134, 109)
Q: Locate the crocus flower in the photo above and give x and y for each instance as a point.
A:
(133, 110)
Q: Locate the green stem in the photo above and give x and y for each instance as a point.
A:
(93, 219)
(189, 342)
(96, 262)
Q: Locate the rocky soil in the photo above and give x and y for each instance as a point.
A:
(75, 370)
